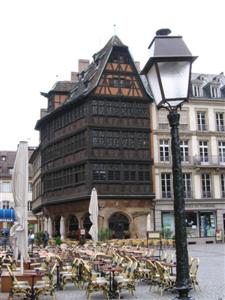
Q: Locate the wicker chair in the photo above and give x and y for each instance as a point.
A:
(193, 272)
(46, 286)
(94, 282)
(19, 288)
(127, 282)
(72, 274)
(166, 281)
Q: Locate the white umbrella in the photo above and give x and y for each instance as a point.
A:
(50, 227)
(19, 231)
(62, 228)
(93, 211)
(45, 224)
(148, 225)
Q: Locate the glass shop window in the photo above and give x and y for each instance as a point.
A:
(168, 223)
(192, 224)
(207, 224)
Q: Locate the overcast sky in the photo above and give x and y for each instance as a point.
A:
(42, 40)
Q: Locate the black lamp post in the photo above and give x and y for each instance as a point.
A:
(168, 72)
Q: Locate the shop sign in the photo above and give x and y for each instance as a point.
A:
(219, 235)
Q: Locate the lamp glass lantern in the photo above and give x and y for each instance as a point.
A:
(168, 69)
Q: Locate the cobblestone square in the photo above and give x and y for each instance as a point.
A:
(211, 277)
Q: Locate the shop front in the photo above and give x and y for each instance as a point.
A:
(200, 224)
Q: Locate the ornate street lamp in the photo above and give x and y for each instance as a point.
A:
(168, 72)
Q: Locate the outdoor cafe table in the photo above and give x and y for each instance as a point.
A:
(172, 267)
(113, 294)
(28, 275)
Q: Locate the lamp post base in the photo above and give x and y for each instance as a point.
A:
(183, 294)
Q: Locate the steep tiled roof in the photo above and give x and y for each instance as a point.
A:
(63, 86)
(8, 161)
(207, 80)
(89, 78)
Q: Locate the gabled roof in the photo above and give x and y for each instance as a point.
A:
(89, 78)
(60, 87)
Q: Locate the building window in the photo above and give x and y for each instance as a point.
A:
(29, 187)
(215, 92)
(187, 185)
(220, 123)
(5, 204)
(162, 119)
(207, 224)
(29, 206)
(201, 118)
(196, 90)
(166, 185)
(203, 151)
(192, 224)
(6, 187)
(10, 171)
(221, 147)
(184, 151)
(164, 150)
(168, 223)
(223, 184)
(183, 120)
(206, 186)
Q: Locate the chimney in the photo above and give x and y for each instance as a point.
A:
(73, 76)
(83, 64)
(138, 65)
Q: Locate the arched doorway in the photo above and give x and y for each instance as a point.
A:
(87, 225)
(57, 226)
(119, 224)
(73, 227)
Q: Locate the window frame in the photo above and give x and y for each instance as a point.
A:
(164, 150)
(206, 184)
(166, 185)
(202, 120)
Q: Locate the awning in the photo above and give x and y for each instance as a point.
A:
(7, 215)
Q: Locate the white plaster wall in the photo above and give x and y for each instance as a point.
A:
(211, 119)
(192, 118)
(216, 186)
(194, 145)
(157, 184)
(197, 186)
(156, 149)
(214, 147)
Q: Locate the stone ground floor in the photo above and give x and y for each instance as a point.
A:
(211, 276)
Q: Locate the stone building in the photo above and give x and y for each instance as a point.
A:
(7, 215)
(96, 133)
(202, 142)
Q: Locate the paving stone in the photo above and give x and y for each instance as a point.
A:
(211, 277)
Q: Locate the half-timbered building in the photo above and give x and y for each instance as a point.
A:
(96, 133)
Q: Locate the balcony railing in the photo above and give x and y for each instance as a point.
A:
(202, 127)
(220, 128)
(166, 126)
(215, 160)
(166, 195)
(188, 195)
(207, 194)
(169, 195)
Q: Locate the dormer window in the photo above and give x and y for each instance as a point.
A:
(196, 90)
(86, 84)
(215, 91)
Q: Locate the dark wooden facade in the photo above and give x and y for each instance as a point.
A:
(99, 136)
